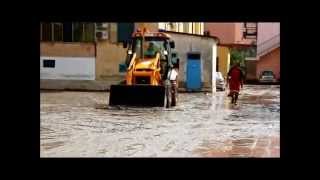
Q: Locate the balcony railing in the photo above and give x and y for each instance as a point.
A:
(250, 30)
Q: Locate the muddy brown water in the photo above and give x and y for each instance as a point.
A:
(81, 124)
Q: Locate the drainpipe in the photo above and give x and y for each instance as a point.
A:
(95, 49)
(142, 44)
(95, 40)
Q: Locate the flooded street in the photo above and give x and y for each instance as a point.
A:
(80, 124)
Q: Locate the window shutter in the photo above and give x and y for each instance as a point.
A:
(46, 33)
(125, 31)
(67, 32)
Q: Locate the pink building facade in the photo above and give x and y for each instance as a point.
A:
(233, 33)
(268, 48)
(267, 31)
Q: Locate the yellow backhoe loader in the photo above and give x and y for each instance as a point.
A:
(152, 72)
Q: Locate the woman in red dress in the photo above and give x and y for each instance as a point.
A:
(235, 80)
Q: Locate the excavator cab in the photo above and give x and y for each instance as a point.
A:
(149, 80)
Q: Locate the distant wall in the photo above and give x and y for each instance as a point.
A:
(109, 56)
(66, 49)
(224, 31)
(251, 69)
(266, 31)
(270, 61)
(79, 58)
(68, 68)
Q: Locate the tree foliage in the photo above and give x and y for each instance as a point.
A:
(238, 55)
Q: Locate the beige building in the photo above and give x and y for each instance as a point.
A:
(183, 27)
(206, 47)
(89, 55)
(82, 55)
(223, 60)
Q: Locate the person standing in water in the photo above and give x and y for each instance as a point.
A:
(235, 80)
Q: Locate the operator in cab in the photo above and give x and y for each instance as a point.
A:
(151, 50)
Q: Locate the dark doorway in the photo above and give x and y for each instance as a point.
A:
(217, 65)
(67, 32)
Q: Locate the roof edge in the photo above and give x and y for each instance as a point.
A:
(236, 45)
(197, 35)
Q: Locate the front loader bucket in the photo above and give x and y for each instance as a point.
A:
(137, 95)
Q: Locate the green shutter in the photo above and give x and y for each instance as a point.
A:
(125, 31)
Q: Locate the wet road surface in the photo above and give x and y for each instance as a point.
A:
(81, 124)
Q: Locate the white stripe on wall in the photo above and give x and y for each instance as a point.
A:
(69, 68)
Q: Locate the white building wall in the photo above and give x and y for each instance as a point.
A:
(208, 49)
(214, 64)
(69, 68)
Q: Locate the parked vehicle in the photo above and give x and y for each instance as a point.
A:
(220, 82)
(267, 76)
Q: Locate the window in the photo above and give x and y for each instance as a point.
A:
(150, 46)
(201, 28)
(171, 26)
(162, 26)
(67, 32)
(57, 31)
(193, 28)
(83, 32)
(77, 32)
(48, 63)
(249, 30)
(267, 73)
(46, 32)
(88, 32)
